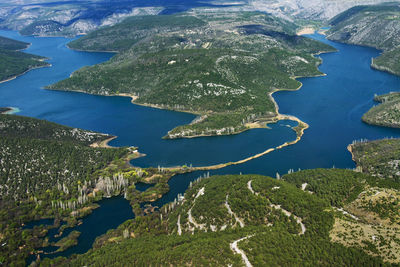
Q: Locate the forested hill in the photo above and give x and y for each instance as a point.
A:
(217, 64)
(25, 127)
(310, 218)
(46, 170)
(13, 62)
(376, 26)
(10, 44)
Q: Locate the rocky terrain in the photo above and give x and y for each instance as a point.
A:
(70, 18)
(376, 26)
(67, 18)
(305, 9)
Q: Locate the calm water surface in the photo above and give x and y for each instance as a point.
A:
(332, 105)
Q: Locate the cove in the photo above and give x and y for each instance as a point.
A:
(134, 125)
(111, 213)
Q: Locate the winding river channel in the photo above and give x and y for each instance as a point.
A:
(332, 105)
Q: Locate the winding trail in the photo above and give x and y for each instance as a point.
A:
(347, 213)
(303, 186)
(237, 250)
(179, 225)
(251, 188)
(237, 219)
(190, 217)
(287, 213)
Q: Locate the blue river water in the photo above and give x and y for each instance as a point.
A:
(332, 105)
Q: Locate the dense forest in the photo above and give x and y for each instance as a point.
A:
(13, 62)
(272, 222)
(50, 171)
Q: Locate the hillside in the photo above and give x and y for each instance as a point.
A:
(385, 114)
(45, 170)
(72, 17)
(376, 26)
(49, 171)
(14, 62)
(256, 221)
(219, 65)
(379, 158)
(25, 127)
(68, 18)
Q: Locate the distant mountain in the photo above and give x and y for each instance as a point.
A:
(308, 9)
(376, 26)
(69, 18)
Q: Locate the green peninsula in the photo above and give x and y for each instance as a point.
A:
(221, 65)
(385, 114)
(14, 62)
(375, 26)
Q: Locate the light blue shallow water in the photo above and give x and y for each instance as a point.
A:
(332, 105)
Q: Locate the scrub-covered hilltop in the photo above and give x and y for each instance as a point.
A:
(255, 220)
(376, 26)
(387, 113)
(220, 65)
(13, 62)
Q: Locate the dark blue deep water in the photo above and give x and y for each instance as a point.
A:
(332, 105)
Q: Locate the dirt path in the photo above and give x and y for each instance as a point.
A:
(237, 250)
(237, 219)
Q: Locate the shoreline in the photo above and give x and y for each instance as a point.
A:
(306, 30)
(103, 143)
(25, 72)
(350, 149)
(298, 129)
(91, 51)
(10, 110)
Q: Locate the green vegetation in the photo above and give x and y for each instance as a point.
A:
(10, 44)
(281, 224)
(334, 185)
(376, 26)
(25, 127)
(50, 171)
(219, 65)
(379, 158)
(385, 114)
(68, 241)
(389, 61)
(45, 172)
(14, 62)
